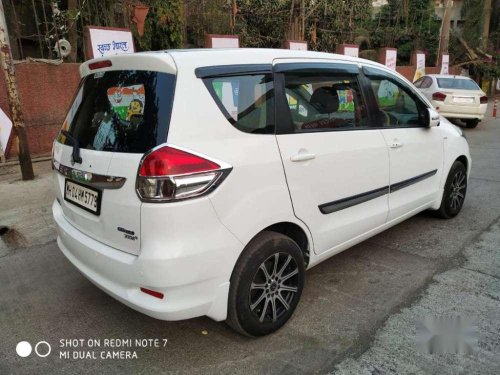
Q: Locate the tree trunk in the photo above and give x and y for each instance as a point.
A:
(72, 31)
(486, 24)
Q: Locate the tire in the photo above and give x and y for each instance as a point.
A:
(454, 193)
(471, 124)
(258, 311)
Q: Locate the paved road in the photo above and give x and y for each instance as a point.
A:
(357, 315)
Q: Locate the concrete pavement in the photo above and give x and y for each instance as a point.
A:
(357, 315)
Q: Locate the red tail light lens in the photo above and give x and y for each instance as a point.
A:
(167, 161)
(439, 96)
(483, 100)
(100, 64)
(169, 174)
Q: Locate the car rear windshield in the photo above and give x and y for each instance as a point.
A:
(121, 111)
(459, 84)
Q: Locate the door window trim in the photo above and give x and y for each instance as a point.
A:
(283, 118)
(232, 70)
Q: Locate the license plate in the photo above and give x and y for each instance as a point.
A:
(82, 196)
(461, 100)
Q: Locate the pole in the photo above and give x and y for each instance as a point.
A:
(486, 24)
(444, 36)
(7, 65)
(495, 106)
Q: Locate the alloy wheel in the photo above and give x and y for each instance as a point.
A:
(458, 189)
(274, 287)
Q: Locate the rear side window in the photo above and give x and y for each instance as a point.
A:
(247, 101)
(121, 111)
(459, 84)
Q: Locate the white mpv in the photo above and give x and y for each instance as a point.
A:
(205, 182)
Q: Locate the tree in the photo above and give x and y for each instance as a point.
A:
(163, 28)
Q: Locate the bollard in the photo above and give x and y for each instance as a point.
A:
(495, 105)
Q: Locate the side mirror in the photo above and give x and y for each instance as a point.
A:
(433, 119)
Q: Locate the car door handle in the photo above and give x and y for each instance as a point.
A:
(302, 156)
(396, 144)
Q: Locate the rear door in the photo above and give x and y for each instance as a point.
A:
(336, 166)
(119, 113)
(416, 151)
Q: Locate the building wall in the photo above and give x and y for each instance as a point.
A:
(45, 92)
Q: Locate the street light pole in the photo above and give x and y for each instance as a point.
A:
(7, 65)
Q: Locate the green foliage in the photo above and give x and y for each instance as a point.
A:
(163, 28)
(407, 25)
(262, 23)
(489, 70)
(339, 22)
(206, 17)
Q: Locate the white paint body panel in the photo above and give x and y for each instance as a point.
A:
(187, 250)
(326, 179)
(420, 152)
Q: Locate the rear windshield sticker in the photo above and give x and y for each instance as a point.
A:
(127, 101)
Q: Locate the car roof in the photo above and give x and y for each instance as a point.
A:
(232, 56)
(173, 60)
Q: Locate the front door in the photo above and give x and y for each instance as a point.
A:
(336, 166)
(415, 151)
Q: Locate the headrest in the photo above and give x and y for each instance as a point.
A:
(325, 100)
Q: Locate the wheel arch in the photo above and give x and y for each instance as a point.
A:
(296, 233)
(289, 229)
(463, 159)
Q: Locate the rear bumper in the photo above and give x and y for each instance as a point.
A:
(187, 292)
(460, 111)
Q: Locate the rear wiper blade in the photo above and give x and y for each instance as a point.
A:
(75, 156)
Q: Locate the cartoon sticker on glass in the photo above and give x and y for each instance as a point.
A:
(127, 110)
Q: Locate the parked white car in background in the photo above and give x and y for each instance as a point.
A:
(205, 182)
(454, 97)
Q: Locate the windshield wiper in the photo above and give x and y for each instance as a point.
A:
(75, 156)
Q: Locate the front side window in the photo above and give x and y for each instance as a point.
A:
(323, 101)
(247, 101)
(396, 106)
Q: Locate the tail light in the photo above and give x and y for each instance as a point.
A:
(483, 100)
(439, 96)
(169, 174)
